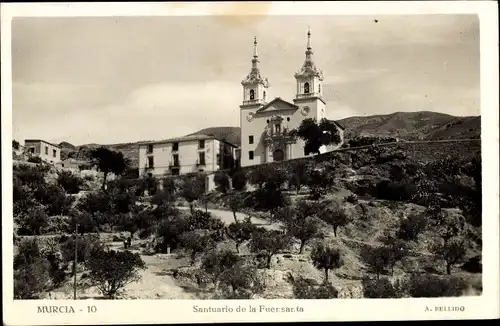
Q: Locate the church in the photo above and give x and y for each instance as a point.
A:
(265, 125)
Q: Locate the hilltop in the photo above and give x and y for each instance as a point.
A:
(406, 125)
(413, 126)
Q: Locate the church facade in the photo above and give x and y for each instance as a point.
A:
(265, 125)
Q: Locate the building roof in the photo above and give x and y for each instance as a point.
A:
(181, 139)
(39, 141)
(269, 106)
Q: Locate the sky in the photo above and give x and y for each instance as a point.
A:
(125, 79)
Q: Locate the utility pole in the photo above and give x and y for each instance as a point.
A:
(74, 263)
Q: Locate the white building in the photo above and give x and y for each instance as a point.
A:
(188, 154)
(265, 125)
(48, 152)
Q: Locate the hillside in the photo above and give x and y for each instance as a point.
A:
(414, 125)
(407, 125)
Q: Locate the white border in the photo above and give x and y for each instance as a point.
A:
(181, 311)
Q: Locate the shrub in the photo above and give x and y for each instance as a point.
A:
(192, 189)
(111, 270)
(473, 265)
(452, 252)
(201, 220)
(215, 262)
(377, 258)
(325, 257)
(163, 198)
(33, 221)
(71, 183)
(95, 202)
(31, 270)
(304, 229)
(269, 243)
(336, 217)
(53, 198)
(241, 232)
(169, 230)
(411, 227)
(319, 183)
(381, 288)
(84, 248)
(353, 199)
(432, 286)
(310, 289)
(221, 180)
(240, 282)
(239, 180)
(196, 241)
(35, 159)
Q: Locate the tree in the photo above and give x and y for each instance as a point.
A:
(309, 289)
(452, 252)
(215, 262)
(316, 134)
(70, 183)
(32, 221)
(15, 144)
(241, 281)
(234, 202)
(241, 232)
(411, 227)
(433, 286)
(111, 270)
(108, 161)
(163, 198)
(239, 180)
(197, 241)
(319, 182)
(397, 249)
(299, 176)
(326, 258)
(169, 230)
(336, 217)
(379, 288)
(304, 230)
(169, 186)
(377, 258)
(191, 190)
(269, 243)
(31, 270)
(221, 179)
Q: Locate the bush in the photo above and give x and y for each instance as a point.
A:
(239, 180)
(53, 198)
(95, 202)
(196, 241)
(411, 227)
(84, 248)
(240, 282)
(35, 159)
(353, 199)
(269, 243)
(221, 180)
(31, 270)
(111, 270)
(377, 258)
(241, 232)
(381, 288)
(215, 262)
(310, 289)
(325, 257)
(433, 286)
(32, 221)
(71, 183)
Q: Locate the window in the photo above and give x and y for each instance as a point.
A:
(175, 146)
(264, 95)
(250, 155)
(252, 94)
(277, 128)
(151, 162)
(54, 152)
(176, 160)
(175, 172)
(32, 150)
(319, 88)
(288, 119)
(201, 158)
(306, 88)
(46, 150)
(201, 144)
(150, 148)
(250, 139)
(150, 175)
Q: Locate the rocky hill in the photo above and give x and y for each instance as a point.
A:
(406, 125)
(414, 125)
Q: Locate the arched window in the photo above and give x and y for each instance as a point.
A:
(264, 95)
(252, 94)
(319, 88)
(306, 88)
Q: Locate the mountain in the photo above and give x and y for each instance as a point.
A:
(406, 125)
(231, 135)
(413, 126)
(66, 145)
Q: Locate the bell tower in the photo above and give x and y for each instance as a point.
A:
(309, 94)
(254, 85)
